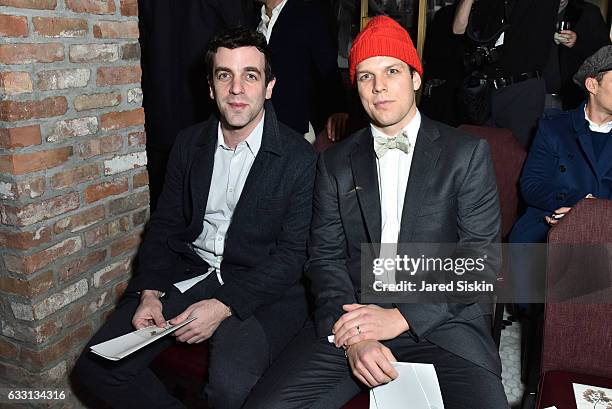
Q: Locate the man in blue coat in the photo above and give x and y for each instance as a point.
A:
(571, 159)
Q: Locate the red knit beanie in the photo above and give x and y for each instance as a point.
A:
(383, 36)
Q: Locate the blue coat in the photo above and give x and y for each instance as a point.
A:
(560, 170)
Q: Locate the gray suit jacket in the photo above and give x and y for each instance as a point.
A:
(451, 197)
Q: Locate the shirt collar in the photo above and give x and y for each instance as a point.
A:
(253, 141)
(603, 128)
(275, 11)
(411, 129)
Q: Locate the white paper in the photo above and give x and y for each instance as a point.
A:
(120, 347)
(416, 387)
(587, 395)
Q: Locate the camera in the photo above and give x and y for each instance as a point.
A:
(481, 56)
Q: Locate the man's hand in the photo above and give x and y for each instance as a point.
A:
(336, 125)
(149, 311)
(561, 211)
(362, 322)
(566, 37)
(209, 313)
(371, 363)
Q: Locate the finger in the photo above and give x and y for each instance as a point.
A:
(563, 210)
(181, 317)
(328, 128)
(358, 338)
(362, 367)
(140, 323)
(361, 379)
(158, 317)
(386, 366)
(373, 366)
(186, 335)
(347, 333)
(352, 307)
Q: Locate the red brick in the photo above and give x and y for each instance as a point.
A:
(80, 265)
(31, 188)
(140, 179)
(34, 262)
(80, 221)
(111, 272)
(35, 212)
(91, 6)
(27, 288)
(15, 82)
(129, 7)
(75, 176)
(13, 26)
(125, 244)
(122, 119)
(116, 29)
(137, 139)
(30, 4)
(18, 164)
(43, 357)
(99, 146)
(106, 231)
(25, 240)
(59, 27)
(24, 53)
(129, 203)
(95, 101)
(89, 53)
(140, 218)
(23, 110)
(130, 51)
(103, 190)
(120, 289)
(20, 137)
(118, 75)
(8, 350)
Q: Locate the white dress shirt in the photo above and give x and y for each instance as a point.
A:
(230, 170)
(267, 23)
(603, 128)
(393, 172)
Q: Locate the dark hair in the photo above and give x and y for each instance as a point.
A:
(236, 38)
(600, 76)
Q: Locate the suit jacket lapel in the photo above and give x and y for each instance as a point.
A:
(271, 147)
(365, 177)
(424, 159)
(201, 171)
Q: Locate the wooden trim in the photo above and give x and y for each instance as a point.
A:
(364, 15)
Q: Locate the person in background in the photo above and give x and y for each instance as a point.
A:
(310, 95)
(581, 31)
(226, 244)
(522, 32)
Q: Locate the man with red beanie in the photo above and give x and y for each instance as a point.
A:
(403, 179)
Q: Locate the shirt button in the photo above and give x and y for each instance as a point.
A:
(562, 168)
(231, 189)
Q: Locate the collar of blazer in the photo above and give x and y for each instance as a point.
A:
(270, 141)
(363, 163)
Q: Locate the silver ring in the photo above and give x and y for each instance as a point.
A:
(358, 329)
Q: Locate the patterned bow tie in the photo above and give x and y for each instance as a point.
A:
(383, 144)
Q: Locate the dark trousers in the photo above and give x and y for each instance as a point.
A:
(312, 373)
(239, 354)
(519, 108)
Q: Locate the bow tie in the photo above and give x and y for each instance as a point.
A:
(383, 144)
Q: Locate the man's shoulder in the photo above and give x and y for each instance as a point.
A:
(296, 146)
(196, 133)
(450, 138)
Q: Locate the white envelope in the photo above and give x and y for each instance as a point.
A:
(416, 387)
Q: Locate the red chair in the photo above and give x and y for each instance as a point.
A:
(508, 156)
(577, 344)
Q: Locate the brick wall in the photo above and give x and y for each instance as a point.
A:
(73, 186)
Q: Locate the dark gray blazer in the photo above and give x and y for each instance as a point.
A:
(265, 245)
(451, 197)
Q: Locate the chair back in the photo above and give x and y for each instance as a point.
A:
(578, 333)
(508, 156)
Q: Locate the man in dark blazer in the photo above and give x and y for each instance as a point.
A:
(443, 179)
(226, 244)
(303, 42)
